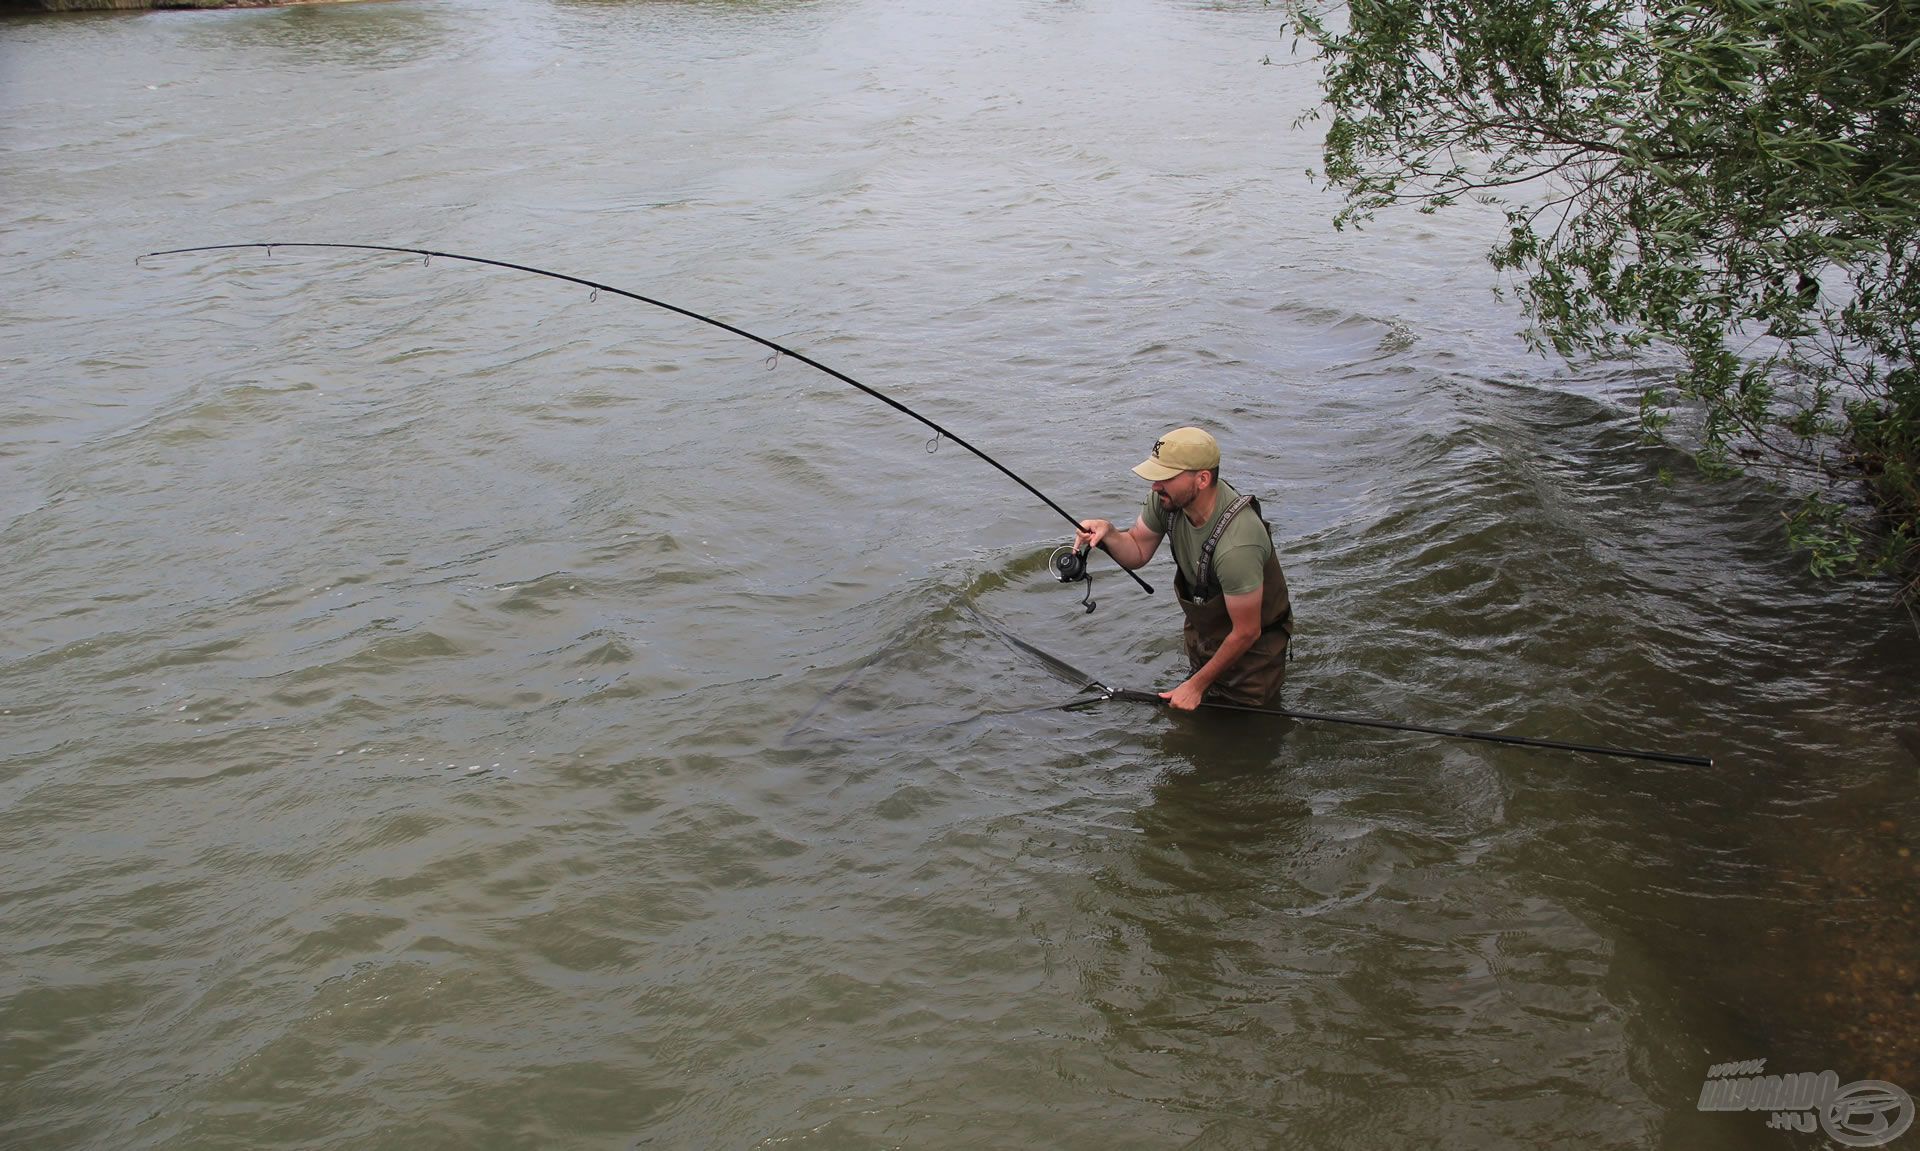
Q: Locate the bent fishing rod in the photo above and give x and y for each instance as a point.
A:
(781, 349)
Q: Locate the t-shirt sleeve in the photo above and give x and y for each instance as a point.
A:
(1241, 568)
(1152, 515)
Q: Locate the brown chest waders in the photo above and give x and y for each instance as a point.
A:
(1255, 678)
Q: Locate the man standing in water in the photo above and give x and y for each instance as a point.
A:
(1239, 619)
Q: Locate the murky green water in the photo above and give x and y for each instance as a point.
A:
(445, 709)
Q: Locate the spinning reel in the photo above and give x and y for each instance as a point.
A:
(1069, 565)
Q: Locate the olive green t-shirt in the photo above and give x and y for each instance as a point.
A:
(1239, 560)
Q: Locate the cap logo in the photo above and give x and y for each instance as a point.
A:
(1156, 448)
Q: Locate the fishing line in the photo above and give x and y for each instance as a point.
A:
(794, 738)
(1047, 659)
(778, 349)
(799, 732)
(897, 642)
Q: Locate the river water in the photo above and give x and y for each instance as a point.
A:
(445, 708)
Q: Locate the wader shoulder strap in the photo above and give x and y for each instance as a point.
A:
(1205, 570)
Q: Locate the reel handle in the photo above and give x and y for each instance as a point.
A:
(1069, 565)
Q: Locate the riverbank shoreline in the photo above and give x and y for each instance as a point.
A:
(154, 5)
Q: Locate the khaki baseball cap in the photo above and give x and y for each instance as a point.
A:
(1180, 450)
